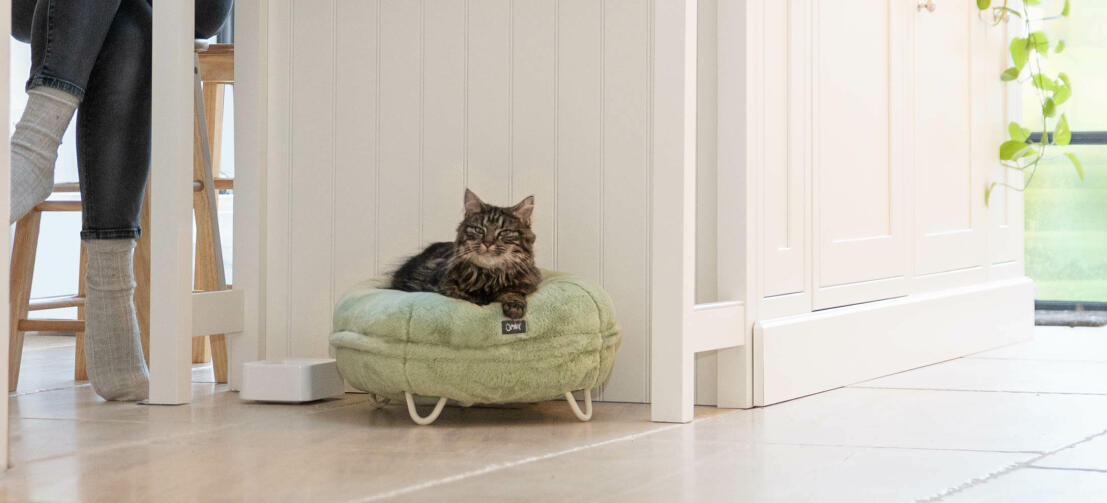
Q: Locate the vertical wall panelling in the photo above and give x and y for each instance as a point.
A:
(489, 95)
(401, 76)
(534, 117)
(579, 136)
(380, 112)
(626, 78)
(278, 162)
(312, 173)
(443, 119)
(858, 160)
(356, 142)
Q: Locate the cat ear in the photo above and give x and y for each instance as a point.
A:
(473, 204)
(524, 209)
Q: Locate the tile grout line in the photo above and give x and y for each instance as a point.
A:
(495, 467)
(1016, 359)
(894, 388)
(1009, 469)
(893, 447)
(1066, 469)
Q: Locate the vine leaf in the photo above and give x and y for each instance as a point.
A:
(1039, 42)
(1013, 149)
(1018, 133)
(1009, 74)
(1075, 163)
(988, 192)
(1065, 11)
(1060, 47)
(983, 4)
(1018, 52)
(1049, 109)
(1062, 135)
(1044, 83)
(1064, 89)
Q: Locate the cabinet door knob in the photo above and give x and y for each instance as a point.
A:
(929, 5)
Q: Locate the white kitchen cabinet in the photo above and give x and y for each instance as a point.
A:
(910, 266)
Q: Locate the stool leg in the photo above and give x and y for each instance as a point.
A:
(80, 369)
(142, 277)
(25, 245)
(209, 274)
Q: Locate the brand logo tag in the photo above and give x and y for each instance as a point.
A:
(514, 326)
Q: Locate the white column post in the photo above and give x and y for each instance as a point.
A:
(171, 203)
(5, 208)
(740, 57)
(673, 179)
(251, 99)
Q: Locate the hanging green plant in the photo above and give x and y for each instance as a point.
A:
(1019, 152)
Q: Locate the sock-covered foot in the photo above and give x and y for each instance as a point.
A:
(35, 147)
(113, 349)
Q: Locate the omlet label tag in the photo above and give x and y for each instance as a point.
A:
(514, 326)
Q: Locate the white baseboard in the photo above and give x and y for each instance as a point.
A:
(800, 355)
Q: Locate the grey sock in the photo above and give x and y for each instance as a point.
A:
(113, 350)
(35, 147)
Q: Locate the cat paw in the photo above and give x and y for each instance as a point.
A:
(515, 310)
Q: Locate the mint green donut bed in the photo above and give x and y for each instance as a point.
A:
(398, 344)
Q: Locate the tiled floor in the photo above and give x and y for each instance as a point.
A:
(1022, 423)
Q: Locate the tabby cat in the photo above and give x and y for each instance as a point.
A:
(492, 259)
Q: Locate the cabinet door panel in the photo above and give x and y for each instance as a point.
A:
(948, 183)
(858, 157)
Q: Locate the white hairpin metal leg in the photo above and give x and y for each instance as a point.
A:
(587, 414)
(437, 410)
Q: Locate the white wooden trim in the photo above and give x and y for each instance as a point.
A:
(219, 312)
(818, 351)
(250, 223)
(717, 325)
(673, 181)
(171, 204)
(5, 208)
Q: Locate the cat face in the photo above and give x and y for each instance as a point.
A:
(495, 237)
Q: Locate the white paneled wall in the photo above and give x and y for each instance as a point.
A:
(382, 111)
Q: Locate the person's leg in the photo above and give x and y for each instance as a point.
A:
(113, 159)
(65, 40)
(210, 16)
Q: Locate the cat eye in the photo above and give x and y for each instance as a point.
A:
(474, 230)
(509, 235)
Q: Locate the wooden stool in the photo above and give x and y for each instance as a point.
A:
(216, 70)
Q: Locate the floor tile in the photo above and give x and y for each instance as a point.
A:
(1057, 343)
(1088, 455)
(683, 464)
(343, 453)
(45, 368)
(962, 420)
(977, 374)
(38, 439)
(1033, 485)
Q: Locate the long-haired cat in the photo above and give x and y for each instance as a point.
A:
(492, 259)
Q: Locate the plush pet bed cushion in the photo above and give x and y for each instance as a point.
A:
(387, 342)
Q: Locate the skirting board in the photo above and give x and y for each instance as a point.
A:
(814, 352)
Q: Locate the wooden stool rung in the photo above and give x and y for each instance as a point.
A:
(58, 302)
(51, 325)
(58, 206)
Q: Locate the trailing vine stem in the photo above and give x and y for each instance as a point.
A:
(1018, 153)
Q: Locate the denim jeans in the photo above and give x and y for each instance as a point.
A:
(99, 51)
